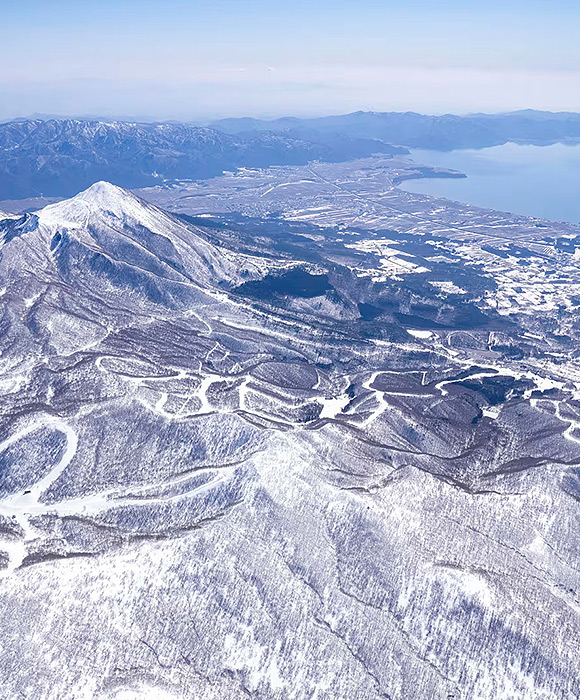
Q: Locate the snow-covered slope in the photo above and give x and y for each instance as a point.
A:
(110, 242)
(209, 492)
(112, 220)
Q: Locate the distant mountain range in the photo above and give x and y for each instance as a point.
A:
(59, 157)
(445, 132)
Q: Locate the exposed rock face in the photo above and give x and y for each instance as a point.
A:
(209, 494)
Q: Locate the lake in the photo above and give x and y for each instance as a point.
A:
(541, 181)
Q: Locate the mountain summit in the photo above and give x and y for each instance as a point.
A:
(101, 197)
(117, 243)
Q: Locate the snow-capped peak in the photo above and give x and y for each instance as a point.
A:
(131, 231)
(101, 200)
(102, 191)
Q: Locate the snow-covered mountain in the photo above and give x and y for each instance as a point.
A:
(107, 221)
(56, 157)
(219, 479)
(126, 255)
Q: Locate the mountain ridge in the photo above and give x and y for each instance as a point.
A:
(59, 157)
(438, 132)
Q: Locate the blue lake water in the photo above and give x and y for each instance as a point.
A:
(542, 181)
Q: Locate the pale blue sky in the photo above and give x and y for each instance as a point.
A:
(200, 59)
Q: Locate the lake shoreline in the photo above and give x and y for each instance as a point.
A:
(540, 182)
